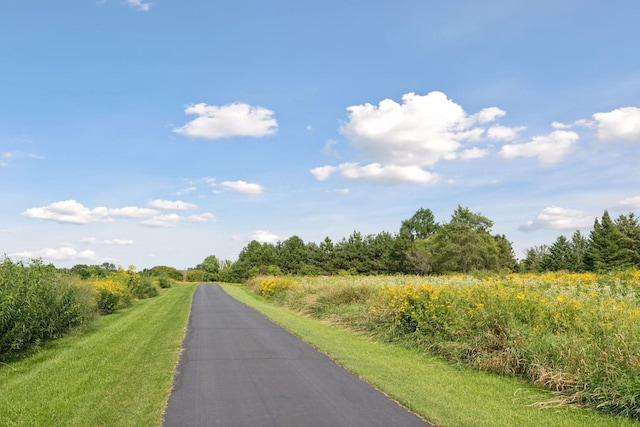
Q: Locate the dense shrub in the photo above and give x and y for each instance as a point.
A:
(112, 295)
(37, 304)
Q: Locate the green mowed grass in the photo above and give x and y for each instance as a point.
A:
(119, 373)
(441, 393)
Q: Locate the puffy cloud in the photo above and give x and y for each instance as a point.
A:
(67, 211)
(162, 221)
(243, 187)
(202, 218)
(622, 124)
(487, 115)
(419, 132)
(377, 172)
(139, 5)
(548, 148)
(557, 218)
(168, 205)
(323, 172)
(504, 133)
(65, 253)
(228, 120)
(473, 153)
(263, 236)
(389, 173)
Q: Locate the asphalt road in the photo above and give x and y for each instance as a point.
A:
(240, 369)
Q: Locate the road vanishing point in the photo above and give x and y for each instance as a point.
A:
(240, 369)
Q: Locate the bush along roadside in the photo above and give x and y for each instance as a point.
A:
(40, 303)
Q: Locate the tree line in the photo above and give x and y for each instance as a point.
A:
(611, 245)
(420, 246)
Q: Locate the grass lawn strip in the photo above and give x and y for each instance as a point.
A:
(434, 389)
(119, 373)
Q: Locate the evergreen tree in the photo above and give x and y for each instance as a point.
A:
(579, 245)
(607, 250)
(629, 226)
(561, 256)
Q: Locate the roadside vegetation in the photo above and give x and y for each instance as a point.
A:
(574, 334)
(39, 302)
(443, 393)
(117, 371)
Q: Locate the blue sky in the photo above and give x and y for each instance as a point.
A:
(160, 132)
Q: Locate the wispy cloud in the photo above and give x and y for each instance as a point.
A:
(139, 5)
(64, 253)
(7, 157)
(202, 218)
(169, 205)
(162, 221)
(73, 212)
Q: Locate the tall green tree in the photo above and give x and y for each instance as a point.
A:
(607, 247)
(292, 255)
(533, 260)
(210, 268)
(421, 225)
(629, 226)
(465, 244)
(561, 256)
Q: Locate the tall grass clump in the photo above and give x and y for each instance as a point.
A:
(576, 334)
(38, 304)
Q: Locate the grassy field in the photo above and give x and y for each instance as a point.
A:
(119, 373)
(441, 392)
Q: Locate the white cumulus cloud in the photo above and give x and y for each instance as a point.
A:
(547, 148)
(557, 218)
(237, 119)
(622, 124)
(323, 172)
(67, 211)
(419, 132)
(504, 133)
(243, 187)
(388, 173)
(263, 236)
(473, 153)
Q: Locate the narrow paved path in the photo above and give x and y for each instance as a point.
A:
(240, 369)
